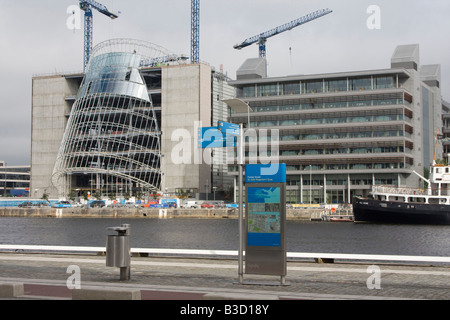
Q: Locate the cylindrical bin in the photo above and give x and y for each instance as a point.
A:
(118, 253)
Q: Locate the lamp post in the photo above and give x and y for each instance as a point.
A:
(240, 106)
(310, 184)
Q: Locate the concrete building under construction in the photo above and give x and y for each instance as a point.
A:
(112, 129)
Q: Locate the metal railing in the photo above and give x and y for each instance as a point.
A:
(411, 191)
(227, 253)
(398, 190)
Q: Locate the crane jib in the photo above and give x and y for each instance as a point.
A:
(87, 6)
(285, 27)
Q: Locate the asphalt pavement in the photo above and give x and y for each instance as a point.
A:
(56, 276)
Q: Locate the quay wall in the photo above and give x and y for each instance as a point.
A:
(291, 214)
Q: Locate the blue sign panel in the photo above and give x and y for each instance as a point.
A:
(265, 173)
(264, 204)
(211, 137)
(265, 252)
(228, 128)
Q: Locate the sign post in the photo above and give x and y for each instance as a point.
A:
(225, 135)
(241, 162)
(265, 251)
(239, 106)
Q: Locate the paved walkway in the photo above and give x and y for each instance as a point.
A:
(46, 276)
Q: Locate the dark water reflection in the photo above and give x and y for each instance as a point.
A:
(222, 234)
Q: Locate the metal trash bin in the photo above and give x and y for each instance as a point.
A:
(118, 250)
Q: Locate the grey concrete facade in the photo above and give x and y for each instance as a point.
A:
(186, 105)
(49, 114)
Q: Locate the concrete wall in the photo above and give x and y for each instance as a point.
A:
(49, 109)
(186, 101)
(291, 214)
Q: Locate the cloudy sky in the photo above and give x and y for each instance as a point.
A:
(35, 39)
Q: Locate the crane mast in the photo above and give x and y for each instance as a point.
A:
(195, 30)
(261, 38)
(87, 6)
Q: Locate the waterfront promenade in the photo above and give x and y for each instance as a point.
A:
(47, 212)
(46, 276)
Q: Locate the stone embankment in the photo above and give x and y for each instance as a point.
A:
(292, 214)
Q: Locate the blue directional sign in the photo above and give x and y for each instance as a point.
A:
(228, 128)
(211, 137)
(265, 173)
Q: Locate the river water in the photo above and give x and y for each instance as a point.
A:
(222, 234)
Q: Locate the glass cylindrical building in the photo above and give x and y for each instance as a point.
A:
(111, 144)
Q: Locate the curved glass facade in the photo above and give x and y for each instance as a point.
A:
(111, 144)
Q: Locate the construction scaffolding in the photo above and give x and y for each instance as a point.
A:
(111, 144)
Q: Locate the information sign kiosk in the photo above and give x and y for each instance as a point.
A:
(265, 205)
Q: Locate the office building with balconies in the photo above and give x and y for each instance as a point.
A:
(341, 133)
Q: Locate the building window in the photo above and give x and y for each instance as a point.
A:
(291, 137)
(265, 109)
(291, 88)
(312, 86)
(267, 90)
(361, 84)
(249, 92)
(342, 104)
(290, 107)
(289, 122)
(336, 85)
(384, 82)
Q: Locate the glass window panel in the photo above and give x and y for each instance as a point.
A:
(312, 86)
(291, 88)
(384, 82)
(249, 92)
(289, 107)
(336, 85)
(361, 84)
(290, 122)
(267, 90)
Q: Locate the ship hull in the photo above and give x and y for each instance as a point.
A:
(367, 210)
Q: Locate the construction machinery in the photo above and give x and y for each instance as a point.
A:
(195, 30)
(261, 38)
(87, 6)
